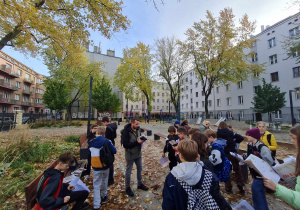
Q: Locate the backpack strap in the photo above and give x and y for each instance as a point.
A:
(269, 138)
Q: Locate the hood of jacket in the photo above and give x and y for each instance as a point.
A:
(221, 142)
(190, 172)
(51, 171)
(97, 142)
(224, 133)
(114, 126)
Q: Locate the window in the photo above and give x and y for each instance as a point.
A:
(33, 89)
(25, 98)
(196, 84)
(8, 66)
(297, 93)
(186, 79)
(218, 89)
(5, 94)
(196, 94)
(158, 94)
(241, 100)
(153, 93)
(18, 84)
(163, 100)
(16, 108)
(31, 100)
(255, 89)
(203, 103)
(272, 42)
(191, 82)
(209, 103)
(191, 100)
(227, 87)
(296, 71)
(153, 100)
(17, 97)
(191, 74)
(167, 107)
(203, 93)
(19, 72)
(191, 90)
(295, 53)
(254, 57)
(256, 74)
(196, 104)
(131, 106)
(33, 79)
(187, 105)
(136, 106)
(157, 100)
(278, 114)
(186, 96)
(186, 87)
(229, 101)
(163, 95)
(26, 87)
(158, 107)
(241, 114)
(274, 77)
(218, 102)
(4, 109)
(27, 76)
(293, 32)
(273, 59)
(6, 80)
(240, 85)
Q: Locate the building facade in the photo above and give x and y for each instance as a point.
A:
(21, 88)
(234, 100)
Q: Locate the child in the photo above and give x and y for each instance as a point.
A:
(192, 131)
(52, 193)
(101, 172)
(217, 157)
(260, 150)
(168, 147)
(287, 195)
(176, 124)
(189, 185)
(266, 137)
(237, 138)
(182, 133)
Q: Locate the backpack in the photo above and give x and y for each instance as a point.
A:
(200, 198)
(224, 174)
(263, 145)
(269, 136)
(106, 156)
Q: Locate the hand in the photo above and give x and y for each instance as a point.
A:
(163, 155)
(175, 148)
(269, 184)
(66, 199)
(71, 187)
(140, 141)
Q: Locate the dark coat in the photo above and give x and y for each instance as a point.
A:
(111, 132)
(168, 148)
(228, 135)
(129, 139)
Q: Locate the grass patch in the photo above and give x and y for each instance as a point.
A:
(73, 139)
(55, 124)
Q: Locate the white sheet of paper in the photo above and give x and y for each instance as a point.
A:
(286, 171)
(74, 180)
(143, 144)
(80, 186)
(239, 157)
(164, 161)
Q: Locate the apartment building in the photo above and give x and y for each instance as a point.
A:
(234, 100)
(21, 88)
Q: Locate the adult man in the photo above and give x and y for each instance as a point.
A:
(266, 137)
(133, 153)
(111, 134)
(205, 125)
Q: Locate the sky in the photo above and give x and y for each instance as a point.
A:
(173, 18)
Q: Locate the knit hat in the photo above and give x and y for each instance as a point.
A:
(254, 132)
(177, 122)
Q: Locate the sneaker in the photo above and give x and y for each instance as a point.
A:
(85, 206)
(129, 192)
(104, 199)
(143, 187)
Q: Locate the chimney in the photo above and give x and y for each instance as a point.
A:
(95, 49)
(111, 53)
(262, 28)
(267, 26)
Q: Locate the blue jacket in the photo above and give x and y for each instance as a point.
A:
(95, 146)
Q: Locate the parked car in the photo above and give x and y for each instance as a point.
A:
(28, 120)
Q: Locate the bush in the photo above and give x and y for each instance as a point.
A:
(52, 123)
(73, 139)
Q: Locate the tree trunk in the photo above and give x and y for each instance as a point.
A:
(69, 112)
(206, 107)
(10, 36)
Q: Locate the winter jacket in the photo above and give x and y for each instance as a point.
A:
(95, 148)
(265, 154)
(289, 196)
(264, 139)
(133, 149)
(168, 148)
(218, 157)
(193, 173)
(111, 132)
(52, 186)
(208, 164)
(202, 128)
(228, 135)
(91, 136)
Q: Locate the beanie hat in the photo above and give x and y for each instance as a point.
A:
(177, 122)
(254, 132)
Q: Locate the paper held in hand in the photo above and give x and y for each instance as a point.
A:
(263, 168)
(164, 161)
(239, 157)
(286, 171)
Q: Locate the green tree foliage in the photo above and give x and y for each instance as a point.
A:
(216, 48)
(56, 95)
(133, 74)
(103, 99)
(171, 65)
(33, 25)
(268, 99)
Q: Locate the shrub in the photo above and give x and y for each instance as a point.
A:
(73, 139)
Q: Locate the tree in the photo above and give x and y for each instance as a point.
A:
(171, 65)
(133, 74)
(216, 48)
(56, 95)
(103, 99)
(32, 26)
(268, 99)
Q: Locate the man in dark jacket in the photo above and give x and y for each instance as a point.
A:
(52, 193)
(111, 134)
(133, 154)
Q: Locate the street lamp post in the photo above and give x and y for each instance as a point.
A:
(291, 106)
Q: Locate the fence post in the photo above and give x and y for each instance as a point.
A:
(18, 117)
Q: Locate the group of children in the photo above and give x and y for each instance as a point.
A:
(205, 159)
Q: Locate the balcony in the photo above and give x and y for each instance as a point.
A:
(7, 101)
(39, 105)
(25, 103)
(28, 80)
(7, 85)
(8, 72)
(28, 92)
(38, 95)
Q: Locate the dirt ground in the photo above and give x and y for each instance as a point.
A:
(153, 173)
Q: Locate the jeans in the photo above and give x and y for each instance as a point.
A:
(238, 173)
(258, 195)
(100, 177)
(138, 163)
